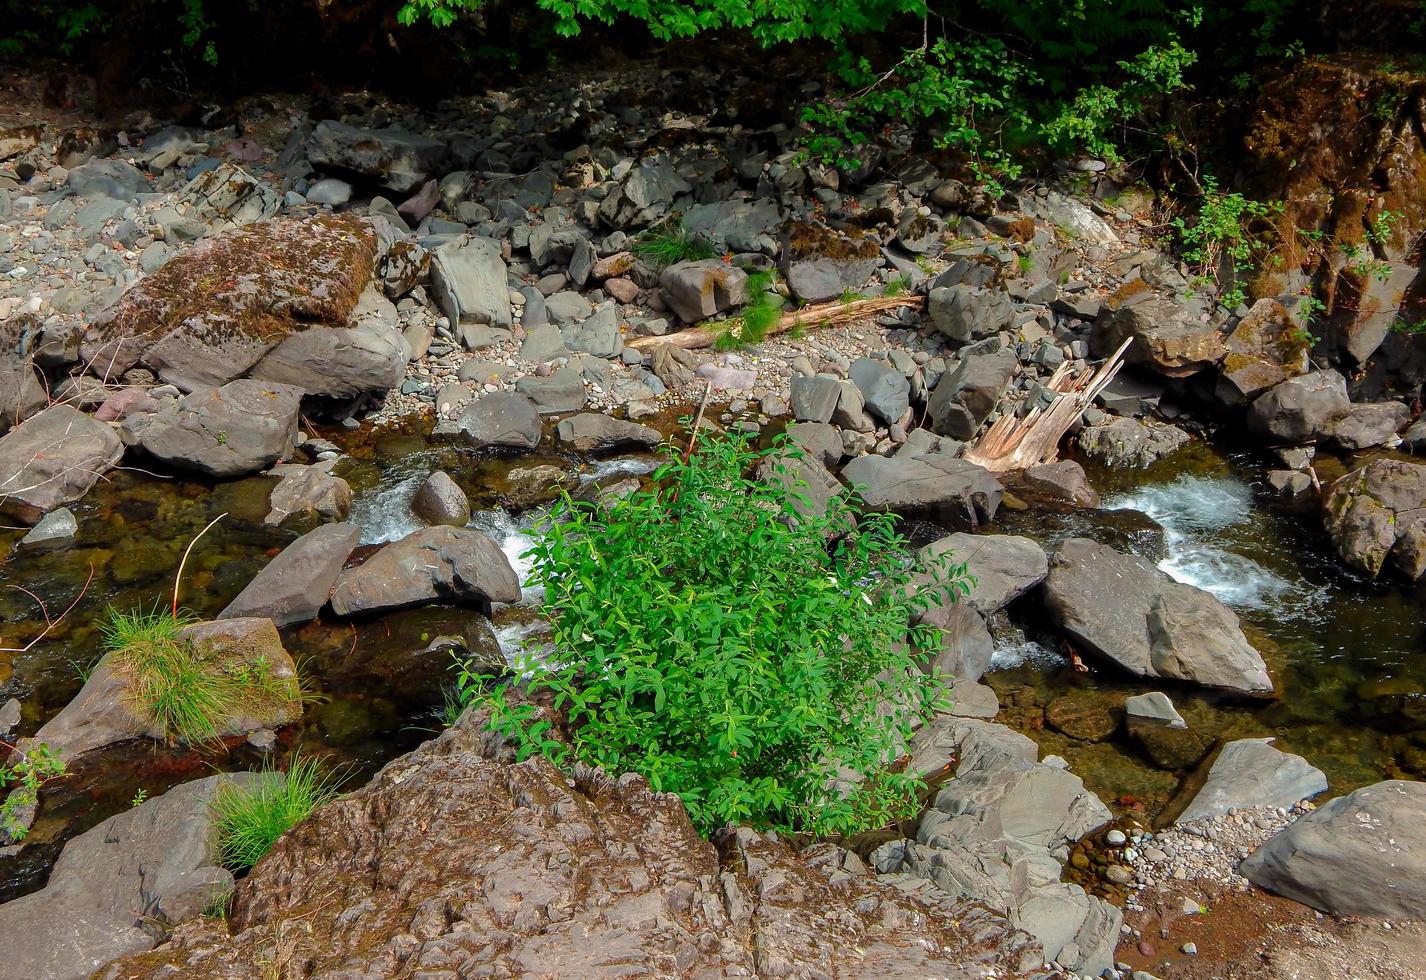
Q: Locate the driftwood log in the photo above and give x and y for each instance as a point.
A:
(808, 318)
(1013, 443)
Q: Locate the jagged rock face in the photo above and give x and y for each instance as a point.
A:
(209, 315)
(1377, 517)
(454, 861)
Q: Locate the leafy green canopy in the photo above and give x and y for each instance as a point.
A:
(722, 638)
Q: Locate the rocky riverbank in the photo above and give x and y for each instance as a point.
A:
(258, 308)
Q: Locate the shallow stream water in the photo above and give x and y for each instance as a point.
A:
(1347, 653)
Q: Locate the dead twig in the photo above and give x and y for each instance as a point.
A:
(44, 611)
(811, 317)
(179, 577)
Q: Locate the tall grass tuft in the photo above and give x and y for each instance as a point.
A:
(677, 244)
(251, 818)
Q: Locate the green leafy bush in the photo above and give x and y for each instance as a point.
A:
(733, 645)
(21, 777)
(250, 819)
(1224, 237)
(763, 309)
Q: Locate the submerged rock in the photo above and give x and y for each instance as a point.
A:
(1125, 609)
(1376, 516)
(53, 458)
(453, 855)
(116, 888)
(1360, 854)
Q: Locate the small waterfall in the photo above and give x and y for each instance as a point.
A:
(385, 515)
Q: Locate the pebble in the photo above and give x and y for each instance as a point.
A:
(1190, 949)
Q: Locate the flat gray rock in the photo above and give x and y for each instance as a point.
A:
(1250, 772)
(503, 419)
(590, 432)
(949, 490)
(1004, 566)
(295, 585)
(469, 283)
(53, 458)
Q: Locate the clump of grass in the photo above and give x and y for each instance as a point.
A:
(186, 696)
(251, 818)
(763, 309)
(661, 249)
(896, 287)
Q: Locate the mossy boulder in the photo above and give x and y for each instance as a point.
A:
(212, 313)
(821, 263)
(1376, 516)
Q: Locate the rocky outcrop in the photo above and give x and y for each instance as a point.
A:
(295, 585)
(951, 491)
(116, 889)
(243, 427)
(1124, 609)
(1125, 442)
(1376, 516)
(455, 859)
(434, 564)
(1250, 772)
(999, 833)
(53, 458)
(1265, 349)
(212, 313)
(1360, 854)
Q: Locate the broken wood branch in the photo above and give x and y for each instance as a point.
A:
(808, 318)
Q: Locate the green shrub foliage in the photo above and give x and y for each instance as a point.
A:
(720, 637)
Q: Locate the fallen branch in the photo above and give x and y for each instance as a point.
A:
(808, 318)
(1013, 443)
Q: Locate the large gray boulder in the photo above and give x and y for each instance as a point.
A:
(392, 157)
(820, 263)
(502, 419)
(999, 833)
(243, 427)
(1367, 425)
(591, 432)
(885, 391)
(1360, 854)
(1301, 409)
(1125, 442)
(295, 585)
(1124, 609)
(468, 281)
(1250, 772)
(111, 886)
(1004, 566)
(1167, 337)
(935, 485)
(1376, 516)
(966, 647)
(53, 458)
(964, 398)
(369, 355)
(965, 313)
(697, 290)
(434, 564)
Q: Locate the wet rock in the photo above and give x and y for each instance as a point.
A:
(1376, 516)
(1123, 608)
(1173, 749)
(964, 398)
(1131, 443)
(820, 263)
(590, 432)
(965, 313)
(214, 311)
(1265, 349)
(563, 391)
(1168, 338)
(394, 158)
(468, 281)
(1250, 772)
(434, 564)
(1368, 425)
(56, 528)
(368, 356)
(294, 586)
(310, 493)
(243, 427)
(439, 500)
(1360, 854)
(1154, 706)
(951, 491)
(107, 710)
(885, 390)
(1004, 566)
(51, 459)
(502, 419)
(532, 486)
(489, 840)
(112, 883)
(1062, 482)
(698, 290)
(1301, 409)
(997, 834)
(966, 646)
